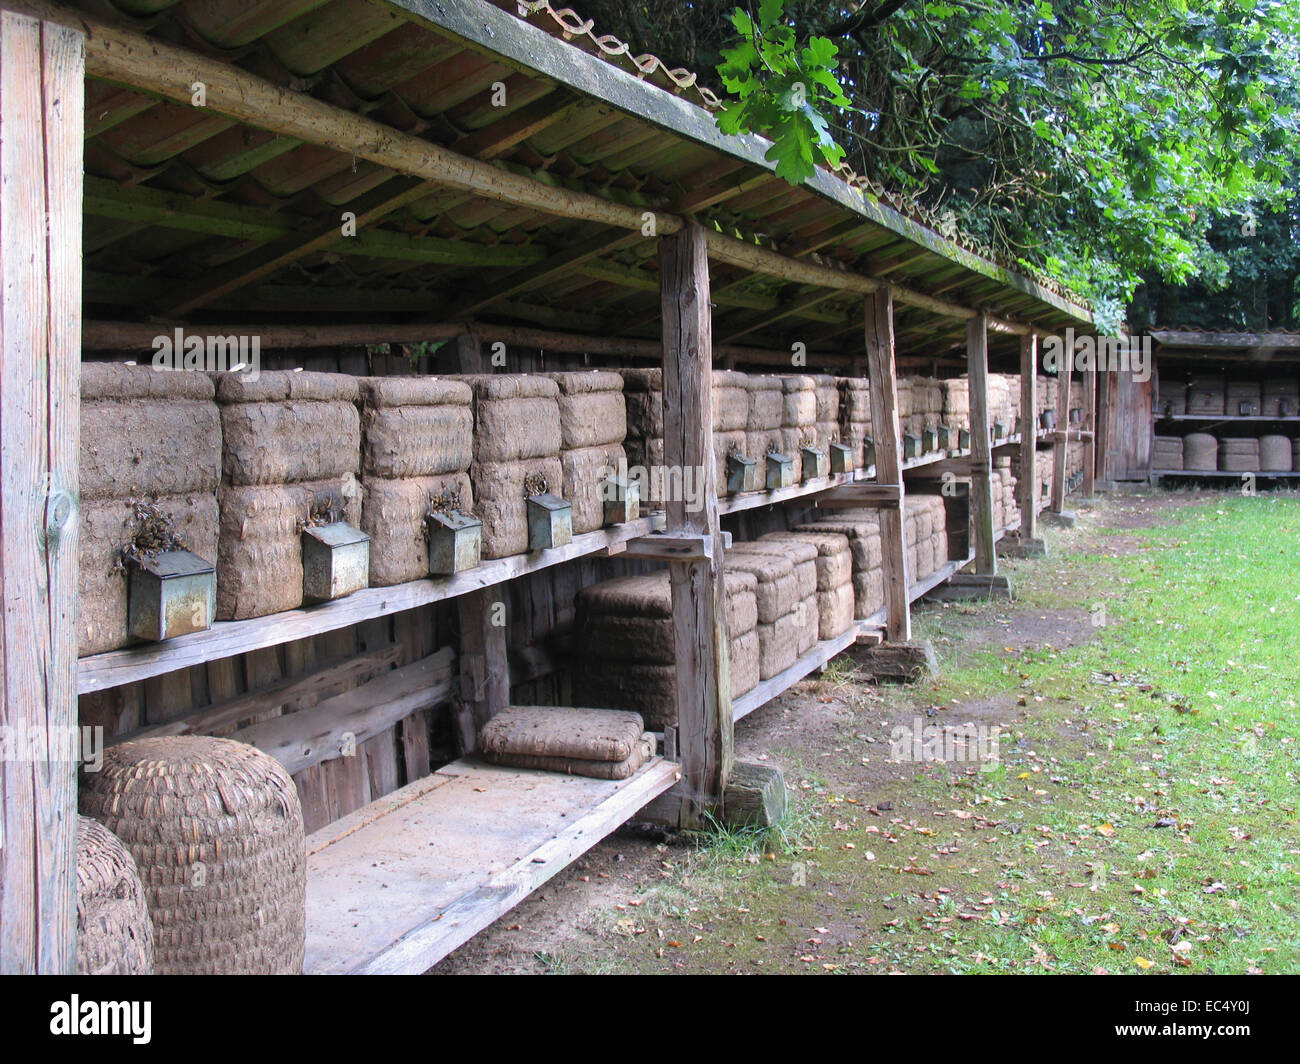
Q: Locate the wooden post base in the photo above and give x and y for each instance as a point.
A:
(755, 796)
(901, 662)
(965, 586)
(1014, 547)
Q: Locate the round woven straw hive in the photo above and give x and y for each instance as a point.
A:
(1275, 454)
(114, 932)
(215, 828)
(1200, 451)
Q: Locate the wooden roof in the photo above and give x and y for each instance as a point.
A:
(233, 211)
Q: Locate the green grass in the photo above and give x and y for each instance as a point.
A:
(1143, 818)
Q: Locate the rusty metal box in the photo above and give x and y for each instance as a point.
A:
(335, 561)
(455, 542)
(815, 462)
(550, 521)
(841, 458)
(173, 593)
(742, 474)
(780, 471)
(622, 497)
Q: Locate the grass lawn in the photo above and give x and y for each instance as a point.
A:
(1141, 817)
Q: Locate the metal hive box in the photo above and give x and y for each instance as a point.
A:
(550, 522)
(841, 458)
(622, 500)
(335, 561)
(455, 542)
(742, 474)
(816, 463)
(780, 471)
(172, 593)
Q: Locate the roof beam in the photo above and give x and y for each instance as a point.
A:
(124, 56)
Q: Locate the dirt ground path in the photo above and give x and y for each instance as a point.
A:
(831, 738)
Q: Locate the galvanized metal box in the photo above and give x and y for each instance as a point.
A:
(550, 522)
(868, 452)
(780, 471)
(742, 474)
(815, 463)
(335, 561)
(841, 457)
(1047, 419)
(929, 440)
(963, 439)
(622, 497)
(173, 593)
(911, 446)
(944, 437)
(455, 542)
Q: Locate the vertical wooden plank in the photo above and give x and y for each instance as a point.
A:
(883, 374)
(1028, 486)
(41, 129)
(484, 662)
(1063, 429)
(981, 450)
(468, 354)
(411, 738)
(704, 715)
(1090, 424)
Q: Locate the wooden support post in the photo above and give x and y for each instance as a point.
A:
(1028, 438)
(981, 451)
(889, 459)
(1090, 426)
(704, 716)
(1062, 428)
(484, 664)
(469, 353)
(42, 70)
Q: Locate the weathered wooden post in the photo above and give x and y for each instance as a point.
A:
(42, 68)
(981, 451)
(889, 459)
(1062, 435)
(1028, 438)
(1090, 429)
(704, 714)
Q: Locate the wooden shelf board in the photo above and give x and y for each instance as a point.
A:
(226, 638)
(1222, 473)
(1226, 417)
(397, 885)
(751, 499)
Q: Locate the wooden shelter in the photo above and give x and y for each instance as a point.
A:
(334, 173)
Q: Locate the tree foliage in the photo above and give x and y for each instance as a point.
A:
(1105, 142)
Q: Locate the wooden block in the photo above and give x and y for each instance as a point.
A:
(755, 796)
(903, 662)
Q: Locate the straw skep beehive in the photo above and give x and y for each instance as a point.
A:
(216, 832)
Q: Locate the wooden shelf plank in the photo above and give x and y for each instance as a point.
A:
(1222, 473)
(397, 885)
(226, 638)
(1225, 417)
(751, 499)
